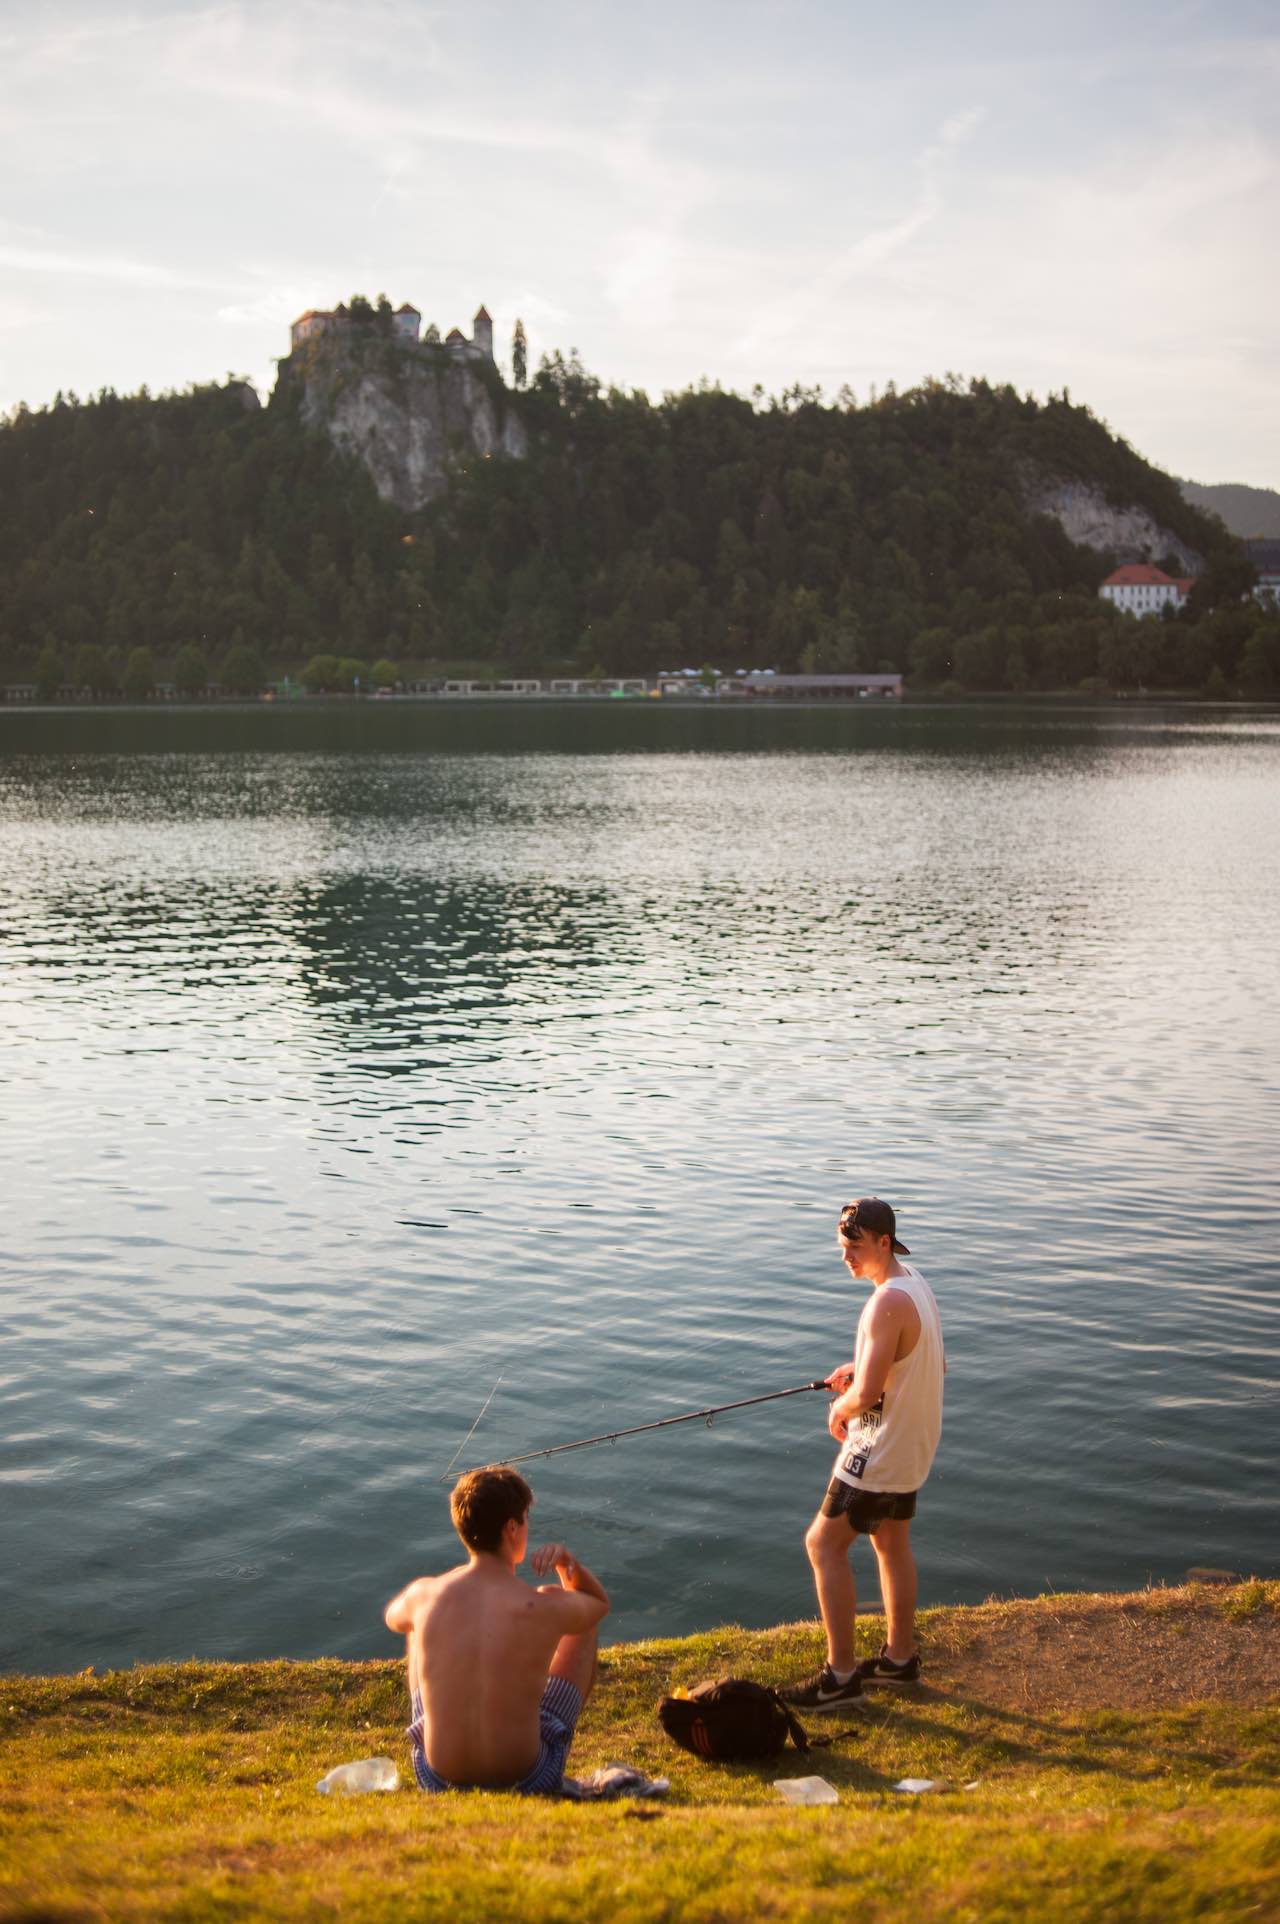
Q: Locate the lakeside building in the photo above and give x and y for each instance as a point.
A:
(1140, 589)
(529, 687)
(406, 326)
(517, 687)
(636, 685)
(74, 691)
(689, 686)
(1264, 553)
(808, 687)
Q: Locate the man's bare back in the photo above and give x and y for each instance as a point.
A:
(481, 1645)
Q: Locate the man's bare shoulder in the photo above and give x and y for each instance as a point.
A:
(570, 1611)
(411, 1603)
(422, 1589)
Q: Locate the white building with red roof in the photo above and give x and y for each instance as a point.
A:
(1140, 589)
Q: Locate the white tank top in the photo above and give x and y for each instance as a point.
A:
(892, 1446)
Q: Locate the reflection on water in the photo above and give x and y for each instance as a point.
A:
(351, 1065)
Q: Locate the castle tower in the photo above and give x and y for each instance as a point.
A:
(482, 331)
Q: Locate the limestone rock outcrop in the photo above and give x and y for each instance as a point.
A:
(406, 410)
(1091, 521)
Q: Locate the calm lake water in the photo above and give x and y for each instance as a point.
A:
(356, 1058)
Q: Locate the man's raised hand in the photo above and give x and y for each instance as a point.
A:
(557, 1557)
(841, 1377)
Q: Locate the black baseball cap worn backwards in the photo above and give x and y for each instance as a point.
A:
(871, 1214)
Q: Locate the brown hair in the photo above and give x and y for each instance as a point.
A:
(484, 1500)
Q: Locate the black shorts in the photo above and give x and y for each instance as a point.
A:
(867, 1509)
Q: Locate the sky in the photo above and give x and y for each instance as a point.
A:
(824, 191)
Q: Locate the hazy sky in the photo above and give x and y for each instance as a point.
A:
(823, 191)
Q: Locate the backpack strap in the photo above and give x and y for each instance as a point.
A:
(822, 1743)
(796, 1730)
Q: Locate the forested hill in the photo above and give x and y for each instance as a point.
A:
(1248, 512)
(791, 533)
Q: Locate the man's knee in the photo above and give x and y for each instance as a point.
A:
(828, 1539)
(575, 1660)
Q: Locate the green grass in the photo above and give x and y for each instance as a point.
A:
(187, 1791)
(1243, 1600)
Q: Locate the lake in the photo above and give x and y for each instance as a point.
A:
(359, 1057)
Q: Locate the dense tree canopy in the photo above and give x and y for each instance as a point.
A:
(188, 534)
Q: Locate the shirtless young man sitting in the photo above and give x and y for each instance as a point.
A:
(498, 1673)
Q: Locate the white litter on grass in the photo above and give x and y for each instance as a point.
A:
(806, 1790)
(918, 1785)
(367, 1773)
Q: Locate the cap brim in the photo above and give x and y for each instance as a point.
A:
(900, 1249)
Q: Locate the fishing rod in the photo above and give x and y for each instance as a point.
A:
(691, 1416)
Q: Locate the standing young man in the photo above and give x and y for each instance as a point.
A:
(886, 1417)
(498, 1672)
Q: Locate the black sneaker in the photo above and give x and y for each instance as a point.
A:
(823, 1692)
(883, 1669)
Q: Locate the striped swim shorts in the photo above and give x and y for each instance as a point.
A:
(558, 1714)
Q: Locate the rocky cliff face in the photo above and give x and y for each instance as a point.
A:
(406, 411)
(1090, 520)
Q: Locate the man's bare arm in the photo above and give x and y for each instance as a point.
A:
(875, 1359)
(398, 1615)
(590, 1598)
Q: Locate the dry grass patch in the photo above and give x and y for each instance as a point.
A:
(1153, 1648)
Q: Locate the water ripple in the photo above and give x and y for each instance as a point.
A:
(341, 1082)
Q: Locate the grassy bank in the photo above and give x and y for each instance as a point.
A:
(1106, 1758)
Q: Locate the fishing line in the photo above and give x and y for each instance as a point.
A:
(612, 1436)
(471, 1432)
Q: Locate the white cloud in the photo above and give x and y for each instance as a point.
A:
(15, 315)
(274, 307)
(533, 309)
(764, 195)
(101, 267)
(799, 309)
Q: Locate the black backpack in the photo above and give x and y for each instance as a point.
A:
(731, 1721)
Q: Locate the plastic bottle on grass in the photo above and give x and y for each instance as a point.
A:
(806, 1790)
(370, 1773)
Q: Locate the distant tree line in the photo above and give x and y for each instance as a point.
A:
(185, 538)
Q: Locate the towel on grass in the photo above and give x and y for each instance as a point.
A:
(614, 1780)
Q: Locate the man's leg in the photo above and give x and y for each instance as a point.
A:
(891, 1542)
(828, 1541)
(575, 1661)
(574, 1665)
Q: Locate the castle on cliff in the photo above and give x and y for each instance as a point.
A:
(406, 324)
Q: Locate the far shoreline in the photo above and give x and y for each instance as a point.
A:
(1080, 702)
